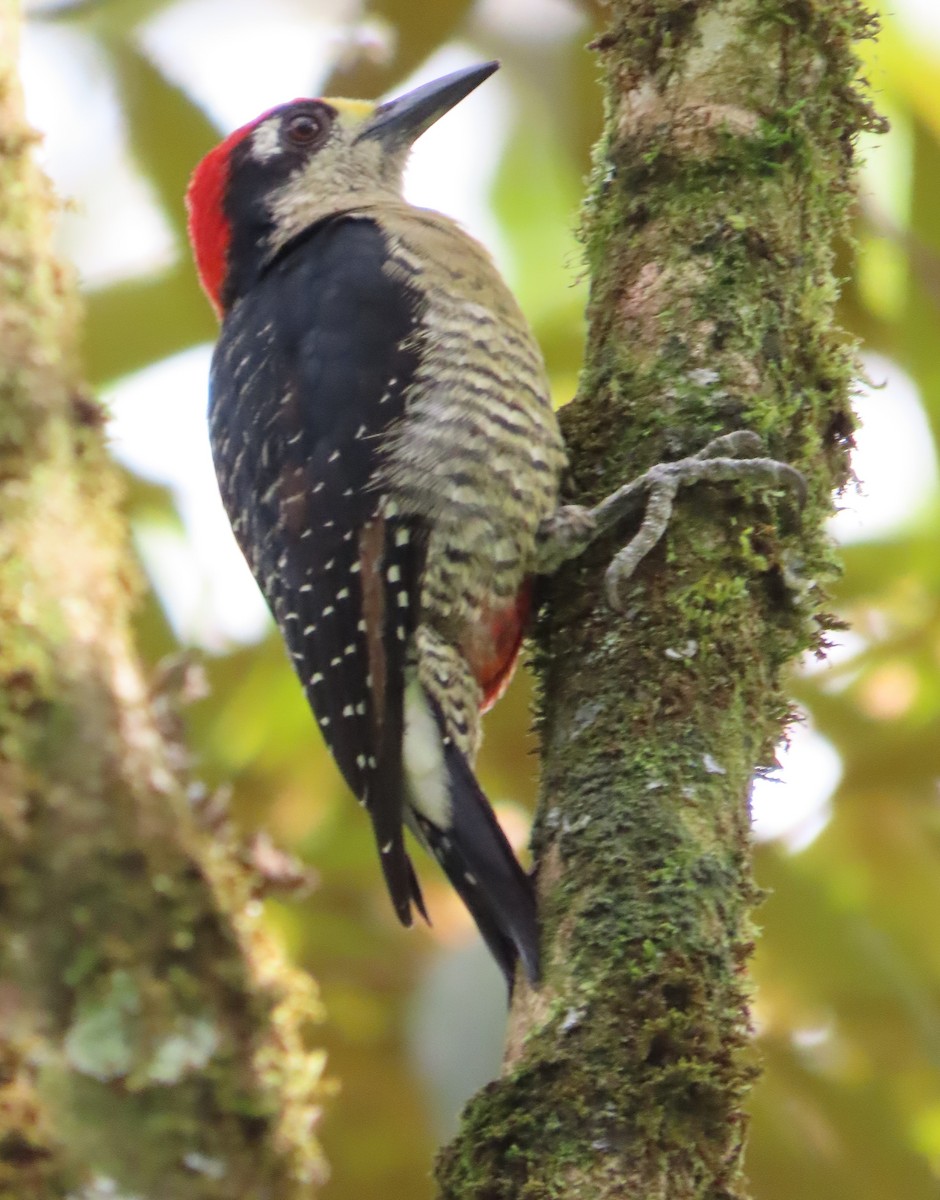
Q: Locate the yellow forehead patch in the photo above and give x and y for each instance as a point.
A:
(356, 110)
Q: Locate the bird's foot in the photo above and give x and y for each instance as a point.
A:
(568, 531)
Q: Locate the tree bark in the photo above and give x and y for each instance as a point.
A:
(151, 1032)
(722, 183)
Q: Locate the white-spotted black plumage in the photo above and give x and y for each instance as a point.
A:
(295, 423)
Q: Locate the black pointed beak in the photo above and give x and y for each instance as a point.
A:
(401, 121)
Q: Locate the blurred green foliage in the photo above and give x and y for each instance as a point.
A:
(848, 967)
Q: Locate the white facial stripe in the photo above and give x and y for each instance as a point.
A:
(266, 140)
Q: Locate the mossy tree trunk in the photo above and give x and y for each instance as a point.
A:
(150, 1032)
(722, 183)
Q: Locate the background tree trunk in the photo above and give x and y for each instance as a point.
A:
(721, 186)
(151, 1032)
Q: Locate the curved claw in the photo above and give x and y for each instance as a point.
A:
(733, 456)
(740, 443)
(570, 529)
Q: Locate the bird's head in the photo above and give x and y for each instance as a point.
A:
(299, 164)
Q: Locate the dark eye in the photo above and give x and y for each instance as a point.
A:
(304, 129)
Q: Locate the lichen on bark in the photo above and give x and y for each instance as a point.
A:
(143, 1003)
(721, 186)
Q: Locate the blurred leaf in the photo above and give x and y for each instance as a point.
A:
(920, 320)
(556, 89)
(168, 133)
(114, 17)
(150, 501)
(812, 1136)
(829, 956)
(906, 71)
(418, 30)
(536, 196)
(508, 764)
(873, 568)
(139, 321)
(259, 715)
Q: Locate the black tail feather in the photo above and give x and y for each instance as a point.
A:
(480, 864)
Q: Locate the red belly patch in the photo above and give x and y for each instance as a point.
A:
(492, 650)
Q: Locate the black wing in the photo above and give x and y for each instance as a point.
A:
(309, 374)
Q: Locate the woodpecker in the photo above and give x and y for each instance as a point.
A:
(388, 455)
